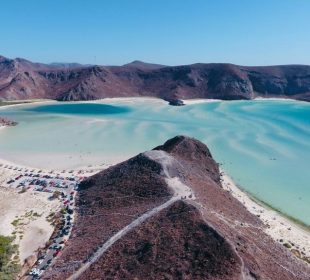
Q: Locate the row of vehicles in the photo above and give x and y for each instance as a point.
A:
(63, 187)
(42, 182)
(59, 240)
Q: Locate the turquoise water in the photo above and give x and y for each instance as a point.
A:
(263, 145)
(80, 109)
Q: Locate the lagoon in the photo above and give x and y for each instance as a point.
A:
(264, 145)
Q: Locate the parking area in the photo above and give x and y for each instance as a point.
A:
(60, 186)
(43, 183)
(58, 241)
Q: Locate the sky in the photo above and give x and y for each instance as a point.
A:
(170, 32)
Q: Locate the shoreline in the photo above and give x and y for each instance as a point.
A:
(131, 99)
(275, 99)
(277, 225)
(25, 102)
(282, 229)
(22, 168)
(30, 103)
(200, 100)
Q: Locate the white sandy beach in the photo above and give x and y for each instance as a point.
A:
(117, 100)
(282, 99)
(130, 100)
(280, 228)
(59, 168)
(199, 100)
(29, 102)
(23, 215)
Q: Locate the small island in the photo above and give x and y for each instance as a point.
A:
(176, 102)
(7, 122)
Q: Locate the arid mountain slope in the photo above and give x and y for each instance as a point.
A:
(176, 244)
(22, 79)
(137, 220)
(107, 202)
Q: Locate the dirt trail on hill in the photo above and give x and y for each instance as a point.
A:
(179, 189)
(119, 235)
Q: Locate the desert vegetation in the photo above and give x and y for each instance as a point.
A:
(9, 261)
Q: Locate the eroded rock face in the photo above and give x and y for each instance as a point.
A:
(208, 236)
(22, 79)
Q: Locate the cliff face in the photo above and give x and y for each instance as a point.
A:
(21, 79)
(132, 224)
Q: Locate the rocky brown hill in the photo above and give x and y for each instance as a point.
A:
(22, 79)
(210, 236)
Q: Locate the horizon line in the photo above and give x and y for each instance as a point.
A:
(147, 62)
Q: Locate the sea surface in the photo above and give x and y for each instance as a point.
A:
(263, 145)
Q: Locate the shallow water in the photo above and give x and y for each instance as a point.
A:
(263, 145)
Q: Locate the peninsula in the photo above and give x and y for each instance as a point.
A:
(167, 212)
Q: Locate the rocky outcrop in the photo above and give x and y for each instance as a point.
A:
(7, 122)
(176, 102)
(22, 79)
(208, 236)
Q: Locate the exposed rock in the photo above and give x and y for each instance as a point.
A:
(176, 102)
(7, 122)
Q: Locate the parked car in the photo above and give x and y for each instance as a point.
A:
(56, 254)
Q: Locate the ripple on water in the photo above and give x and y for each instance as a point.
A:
(263, 145)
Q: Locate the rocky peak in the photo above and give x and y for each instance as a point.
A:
(187, 149)
(3, 59)
(143, 65)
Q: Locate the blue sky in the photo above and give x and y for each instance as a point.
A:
(172, 32)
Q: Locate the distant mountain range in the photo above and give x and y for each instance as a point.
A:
(22, 79)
